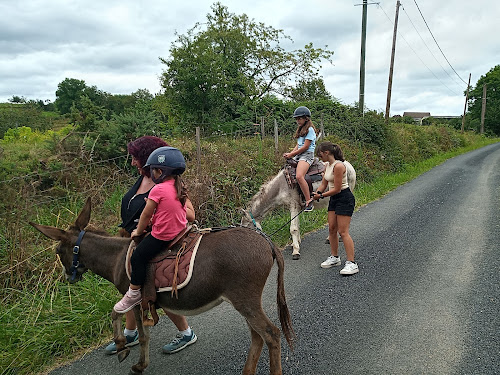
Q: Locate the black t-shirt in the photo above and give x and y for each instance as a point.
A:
(132, 206)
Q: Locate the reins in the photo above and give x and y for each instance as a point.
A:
(277, 230)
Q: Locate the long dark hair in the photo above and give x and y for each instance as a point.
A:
(332, 148)
(302, 130)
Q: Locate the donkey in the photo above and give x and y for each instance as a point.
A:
(232, 265)
(277, 193)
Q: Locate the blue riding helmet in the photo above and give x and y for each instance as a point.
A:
(301, 111)
(169, 160)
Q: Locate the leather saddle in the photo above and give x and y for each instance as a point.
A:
(315, 173)
(169, 270)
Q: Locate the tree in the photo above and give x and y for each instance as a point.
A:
(71, 91)
(309, 90)
(68, 92)
(212, 73)
(492, 115)
(17, 99)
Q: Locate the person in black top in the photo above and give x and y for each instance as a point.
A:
(133, 202)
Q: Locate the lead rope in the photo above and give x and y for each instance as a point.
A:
(284, 225)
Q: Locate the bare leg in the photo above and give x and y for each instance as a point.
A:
(332, 233)
(130, 320)
(302, 168)
(180, 321)
(343, 229)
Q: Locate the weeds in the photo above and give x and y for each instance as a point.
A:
(46, 180)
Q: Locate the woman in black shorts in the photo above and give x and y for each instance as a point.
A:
(340, 208)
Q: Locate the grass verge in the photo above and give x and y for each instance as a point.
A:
(52, 322)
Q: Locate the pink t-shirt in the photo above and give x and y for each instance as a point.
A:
(170, 215)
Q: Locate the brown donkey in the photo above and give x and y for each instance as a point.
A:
(231, 265)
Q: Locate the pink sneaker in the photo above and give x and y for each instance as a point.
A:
(129, 300)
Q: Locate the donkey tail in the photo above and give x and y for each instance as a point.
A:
(283, 312)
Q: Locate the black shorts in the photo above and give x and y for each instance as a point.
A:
(342, 203)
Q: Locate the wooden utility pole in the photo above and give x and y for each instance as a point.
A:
(465, 106)
(362, 60)
(483, 109)
(391, 69)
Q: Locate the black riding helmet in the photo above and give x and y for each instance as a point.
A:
(169, 160)
(301, 112)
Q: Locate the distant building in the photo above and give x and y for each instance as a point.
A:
(417, 116)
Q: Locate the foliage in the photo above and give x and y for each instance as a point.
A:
(18, 115)
(46, 177)
(213, 73)
(309, 90)
(68, 93)
(492, 115)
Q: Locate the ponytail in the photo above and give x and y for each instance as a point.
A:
(181, 189)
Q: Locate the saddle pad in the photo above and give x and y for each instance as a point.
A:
(315, 171)
(165, 268)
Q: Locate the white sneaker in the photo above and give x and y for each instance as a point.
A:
(350, 268)
(330, 262)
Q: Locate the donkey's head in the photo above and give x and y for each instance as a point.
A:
(68, 248)
(249, 221)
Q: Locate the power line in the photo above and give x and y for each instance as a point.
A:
(427, 45)
(428, 28)
(418, 56)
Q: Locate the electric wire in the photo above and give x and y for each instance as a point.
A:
(432, 54)
(416, 54)
(428, 28)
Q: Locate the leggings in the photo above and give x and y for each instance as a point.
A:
(145, 251)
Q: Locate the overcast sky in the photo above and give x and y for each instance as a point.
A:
(116, 45)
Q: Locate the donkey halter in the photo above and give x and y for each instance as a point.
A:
(76, 253)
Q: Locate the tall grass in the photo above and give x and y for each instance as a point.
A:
(43, 320)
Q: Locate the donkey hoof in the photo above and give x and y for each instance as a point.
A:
(135, 370)
(123, 354)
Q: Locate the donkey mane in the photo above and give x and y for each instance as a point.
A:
(268, 191)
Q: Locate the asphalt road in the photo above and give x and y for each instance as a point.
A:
(426, 299)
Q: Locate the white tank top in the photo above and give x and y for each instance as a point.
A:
(329, 175)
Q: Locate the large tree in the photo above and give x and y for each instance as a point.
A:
(492, 114)
(230, 62)
(71, 91)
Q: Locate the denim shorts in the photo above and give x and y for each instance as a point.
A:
(342, 203)
(307, 156)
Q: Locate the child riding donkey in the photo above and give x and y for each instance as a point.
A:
(303, 152)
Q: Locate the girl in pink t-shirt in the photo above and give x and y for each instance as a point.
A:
(166, 210)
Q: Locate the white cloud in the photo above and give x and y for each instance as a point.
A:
(115, 45)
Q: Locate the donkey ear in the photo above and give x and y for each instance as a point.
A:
(51, 232)
(83, 219)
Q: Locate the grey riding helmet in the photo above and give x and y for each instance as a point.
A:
(301, 112)
(169, 160)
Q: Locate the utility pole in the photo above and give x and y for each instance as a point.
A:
(362, 61)
(483, 109)
(465, 106)
(391, 69)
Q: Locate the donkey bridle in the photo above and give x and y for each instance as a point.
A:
(76, 253)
